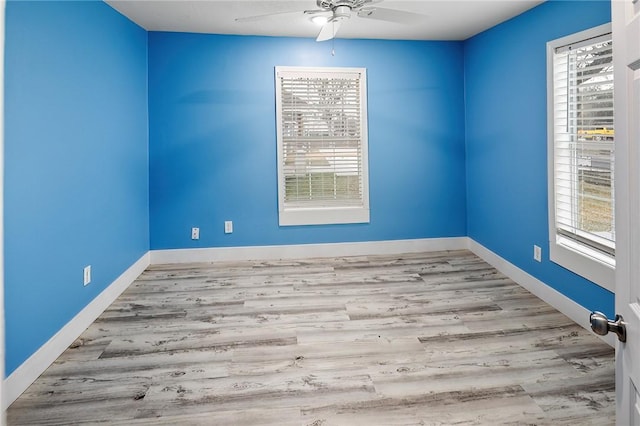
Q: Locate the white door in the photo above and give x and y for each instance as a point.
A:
(626, 44)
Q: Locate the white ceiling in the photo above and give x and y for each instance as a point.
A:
(441, 20)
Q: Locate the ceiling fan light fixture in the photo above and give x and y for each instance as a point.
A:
(319, 20)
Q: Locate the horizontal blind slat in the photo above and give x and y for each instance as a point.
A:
(321, 139)
(584, 142)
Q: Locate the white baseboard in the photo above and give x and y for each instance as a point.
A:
(300, 251)
(37, 363)
(573, 310)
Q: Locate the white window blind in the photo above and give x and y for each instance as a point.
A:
(583, 146)
(321, 121)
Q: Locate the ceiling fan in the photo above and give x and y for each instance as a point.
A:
(335, 12)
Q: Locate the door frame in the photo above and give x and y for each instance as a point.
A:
(2, 331)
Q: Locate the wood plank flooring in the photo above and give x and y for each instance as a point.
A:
(429, 338)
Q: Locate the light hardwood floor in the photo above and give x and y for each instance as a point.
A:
(430, 338)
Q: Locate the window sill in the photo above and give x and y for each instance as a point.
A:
(324, 216)
(588, 263)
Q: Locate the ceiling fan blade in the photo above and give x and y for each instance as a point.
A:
(269, 15)
(390, 15)
(329, 30)
(265, 16)
(316, 11)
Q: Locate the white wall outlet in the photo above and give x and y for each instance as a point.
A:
(195, 233)
(87, 274)
(228, 226)
(537, 253)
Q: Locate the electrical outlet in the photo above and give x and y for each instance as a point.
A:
(87, 274)
(195, 233)
(228, 226)
(537, 253)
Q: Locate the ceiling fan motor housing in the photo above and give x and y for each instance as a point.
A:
(342, 12)
(334, 5)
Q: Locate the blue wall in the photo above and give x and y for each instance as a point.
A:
(506, 140)
(76, 162)
(213, 138)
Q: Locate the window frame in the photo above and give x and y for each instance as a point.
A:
(293, 214)
(564, 250)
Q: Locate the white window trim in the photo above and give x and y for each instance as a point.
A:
(588, 263)
(308, 215)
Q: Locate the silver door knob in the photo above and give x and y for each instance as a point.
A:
(601, 325)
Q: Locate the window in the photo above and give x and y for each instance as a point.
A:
(321, 118)
(581, 154)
